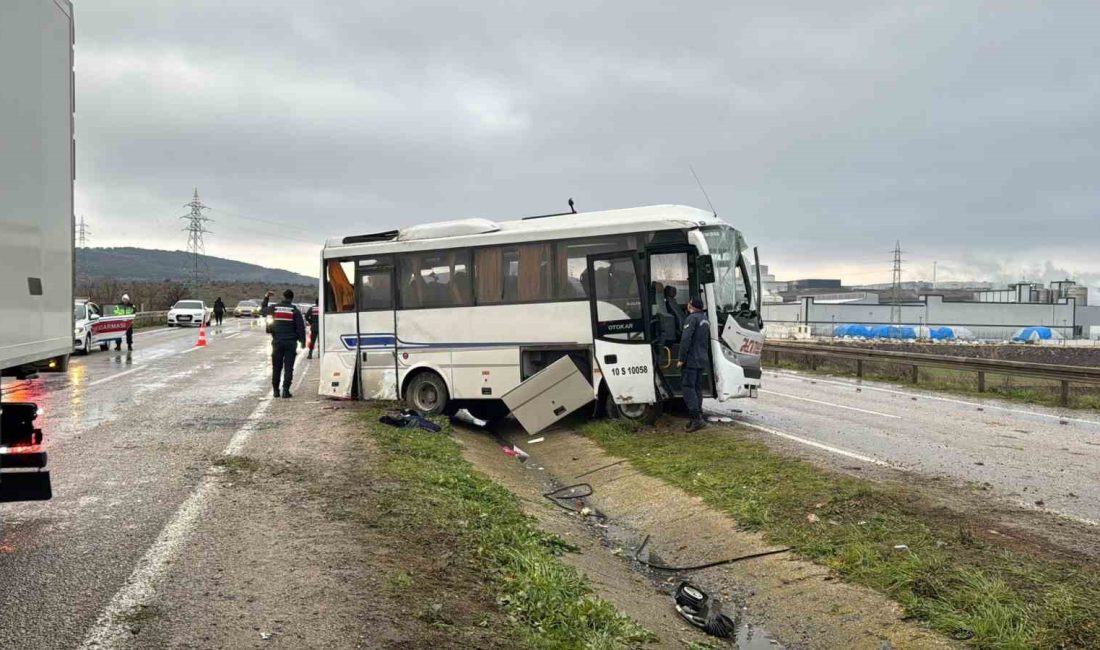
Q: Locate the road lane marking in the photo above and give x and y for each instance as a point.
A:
(813, 443)
(848, 384)
(301, 372)
(116, 376)
(839, 406)
(232, 335)
(111, 629)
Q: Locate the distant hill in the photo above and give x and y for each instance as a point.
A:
(157, 265)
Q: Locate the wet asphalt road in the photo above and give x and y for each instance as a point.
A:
(1026, 453)
(129, 436)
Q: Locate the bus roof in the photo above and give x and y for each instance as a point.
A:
(482, 232)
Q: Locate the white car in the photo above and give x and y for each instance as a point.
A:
(187, 313)
(91, 327)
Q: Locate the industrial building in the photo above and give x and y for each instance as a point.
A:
(992, 314)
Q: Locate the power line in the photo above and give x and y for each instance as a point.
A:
(196, 228)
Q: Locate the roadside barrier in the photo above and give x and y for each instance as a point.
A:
(1063, 374)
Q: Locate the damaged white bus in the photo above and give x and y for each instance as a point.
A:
(454, 315)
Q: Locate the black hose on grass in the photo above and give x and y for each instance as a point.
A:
(662, 567)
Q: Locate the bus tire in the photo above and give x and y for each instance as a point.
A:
(640, 413)
(427, 393)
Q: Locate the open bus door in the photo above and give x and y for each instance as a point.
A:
(377, 329)
(620, 330)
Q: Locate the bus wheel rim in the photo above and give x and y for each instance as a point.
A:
(427, 397)
(632, 410)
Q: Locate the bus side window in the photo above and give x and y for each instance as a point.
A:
(435, 279)
(339, 292)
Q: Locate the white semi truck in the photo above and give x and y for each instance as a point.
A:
(37, 169)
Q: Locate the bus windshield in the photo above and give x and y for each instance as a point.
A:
(731, 287)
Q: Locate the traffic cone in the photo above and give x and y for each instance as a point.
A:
(202, 336)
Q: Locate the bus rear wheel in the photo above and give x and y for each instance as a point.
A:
(640, 413)
(427, 393)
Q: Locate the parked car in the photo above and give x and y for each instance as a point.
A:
(247, 309)
(187, 313)
(96, 325)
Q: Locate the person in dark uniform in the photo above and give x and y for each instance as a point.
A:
(694, 343)
(288, 330)
(126, 308)
(219, 311)
(314, 316)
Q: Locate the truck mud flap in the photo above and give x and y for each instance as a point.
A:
(25, 486)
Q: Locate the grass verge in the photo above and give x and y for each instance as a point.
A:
(1026, 390)
(960, 585)
(549, 604)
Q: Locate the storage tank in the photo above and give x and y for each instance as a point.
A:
(1079, 293)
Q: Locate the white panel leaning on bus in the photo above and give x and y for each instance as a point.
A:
(453, 315)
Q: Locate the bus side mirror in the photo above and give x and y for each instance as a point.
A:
(704, 265)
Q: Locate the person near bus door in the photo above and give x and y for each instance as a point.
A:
(219, 311)
(288, 330)
(314, 316)
(126, 308)
(694, 343)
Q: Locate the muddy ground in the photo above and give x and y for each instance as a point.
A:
(779, 601)
(293, 554)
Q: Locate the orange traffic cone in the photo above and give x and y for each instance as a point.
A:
(202, 336)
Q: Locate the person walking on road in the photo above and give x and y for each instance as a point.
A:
(219, 311)
(314, 316)
(126, 308)
(288, 330)
(694, 342)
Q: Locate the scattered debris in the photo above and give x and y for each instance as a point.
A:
(719, 418)
(409, 418)
(601, 467)
(698, 567)
(515, 452)
(533, 441)
(978, 462)
(1040, 503)
(812, 518)
(901, 547)
(698, 608)
(980, 408)
(266, 636)
(1063, 421)
(464, 415)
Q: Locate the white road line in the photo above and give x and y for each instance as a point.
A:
(191, 349)
(839, 406)
(232, 335)
(301, 372)
(110, 629)
(115, 376)
(923, 395)
(812, 443)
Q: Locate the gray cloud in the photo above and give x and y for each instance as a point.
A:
(824, 131)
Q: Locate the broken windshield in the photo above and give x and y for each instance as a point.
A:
(730, 288)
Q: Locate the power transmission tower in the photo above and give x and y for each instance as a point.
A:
(196, 228)
(895, 293)
(82, 232)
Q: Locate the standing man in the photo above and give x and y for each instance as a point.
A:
(126, 308)
(694, 343)
(314, 316)
(288, 330)
(219, 311)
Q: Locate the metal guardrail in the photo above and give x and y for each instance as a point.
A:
(146, 318)
(1063, 374)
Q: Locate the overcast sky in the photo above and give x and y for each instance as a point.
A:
(825, 131)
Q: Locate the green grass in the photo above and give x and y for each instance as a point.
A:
(1027, 390)
(549, 603)
(959, 585)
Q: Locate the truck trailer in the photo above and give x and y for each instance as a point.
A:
(37, 170)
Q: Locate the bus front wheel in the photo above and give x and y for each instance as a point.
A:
(427, 393)
(641, 413)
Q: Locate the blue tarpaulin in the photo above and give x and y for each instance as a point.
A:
(1035, 334)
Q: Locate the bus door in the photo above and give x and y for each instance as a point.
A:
(620, 316)
(673, 280)
(339, 329)
(377, 342)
